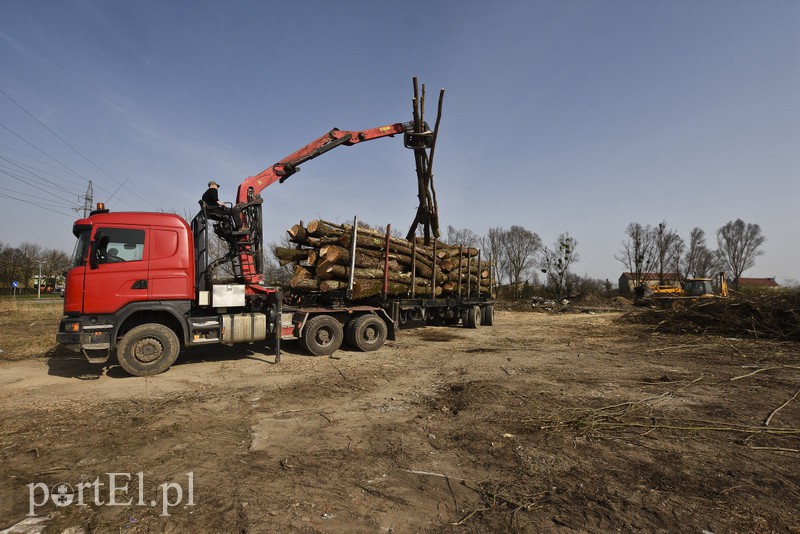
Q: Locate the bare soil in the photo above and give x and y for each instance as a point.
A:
(541, 423)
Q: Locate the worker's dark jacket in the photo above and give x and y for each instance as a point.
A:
(211, 197)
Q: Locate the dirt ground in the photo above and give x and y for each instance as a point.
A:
(541, 423)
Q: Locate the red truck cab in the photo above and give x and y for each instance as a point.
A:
(125, 263)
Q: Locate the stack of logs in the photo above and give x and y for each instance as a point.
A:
(323, 262)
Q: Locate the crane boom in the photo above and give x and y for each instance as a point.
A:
(247, 248)
(289, 165)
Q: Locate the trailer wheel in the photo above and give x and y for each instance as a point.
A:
(322, 335)
(148, 349)
(487, 317)
(366, 332)
(474, 317)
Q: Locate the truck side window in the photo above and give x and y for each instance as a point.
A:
(122, 244)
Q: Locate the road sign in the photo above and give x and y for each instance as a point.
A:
(14, 284)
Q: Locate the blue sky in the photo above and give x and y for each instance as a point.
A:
(574, 116)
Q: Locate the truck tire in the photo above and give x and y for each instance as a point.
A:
(366, 332)
(473, 317)
(148, 349)
(487, 317)
(322, 335)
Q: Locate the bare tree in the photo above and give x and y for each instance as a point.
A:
(669, 249)
(8, 264)
(28, 258)
(54, 264)
(638, 252)
(520, 247)
(555, 262)
(274, 272)
(739, 246)
(463, 236)
(492, 246)
(699, 261)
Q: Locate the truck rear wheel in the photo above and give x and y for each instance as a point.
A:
(322, 335)
(148, 349)
(366, 332)
(473, 317)
(487, 317)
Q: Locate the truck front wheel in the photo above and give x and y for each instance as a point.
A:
(148, 349)
(322, 335)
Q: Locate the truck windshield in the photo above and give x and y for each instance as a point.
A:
(81, 248)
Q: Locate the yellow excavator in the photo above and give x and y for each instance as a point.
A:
(694, 289)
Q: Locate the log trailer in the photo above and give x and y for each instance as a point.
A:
(143, 285)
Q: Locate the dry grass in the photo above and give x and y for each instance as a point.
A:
(28, 327)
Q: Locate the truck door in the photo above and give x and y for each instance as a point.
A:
(118, 271)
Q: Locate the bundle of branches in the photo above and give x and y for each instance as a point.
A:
(766, 316)
(323, 259)
(428, 209)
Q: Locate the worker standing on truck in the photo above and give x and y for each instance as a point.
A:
(215, 205)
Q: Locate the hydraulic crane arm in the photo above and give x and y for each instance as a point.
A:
(289, 165)
(248, 247)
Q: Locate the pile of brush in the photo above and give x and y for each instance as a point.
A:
(766, 316)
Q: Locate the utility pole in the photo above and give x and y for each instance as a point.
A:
(88, 199)
(39, 281)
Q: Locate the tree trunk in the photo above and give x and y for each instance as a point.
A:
(289, 255)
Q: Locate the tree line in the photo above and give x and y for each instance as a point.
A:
(661, 250)
(21, 264)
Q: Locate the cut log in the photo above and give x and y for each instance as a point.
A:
(317, 242)
(289, 255)
(320, 228)
(300, 274)
(332, 285)
(422, 251)
(297, 233)
(330, 271)
(311, 284)
(473, 279)
(341, 256)
(450, 251)
(378, 243)
(363, 289)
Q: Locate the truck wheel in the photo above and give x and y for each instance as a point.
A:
(322, 335)
(487, 317)
(148, 349)
(366, 332)
(474, 317)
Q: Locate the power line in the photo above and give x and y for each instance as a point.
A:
(71, 180)
(31, 115)
(53, 158)
(43, 125)
(60, 177)
(12, 132)
(55, 205)
(54, 184)
(20, 179)
(26, 201)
